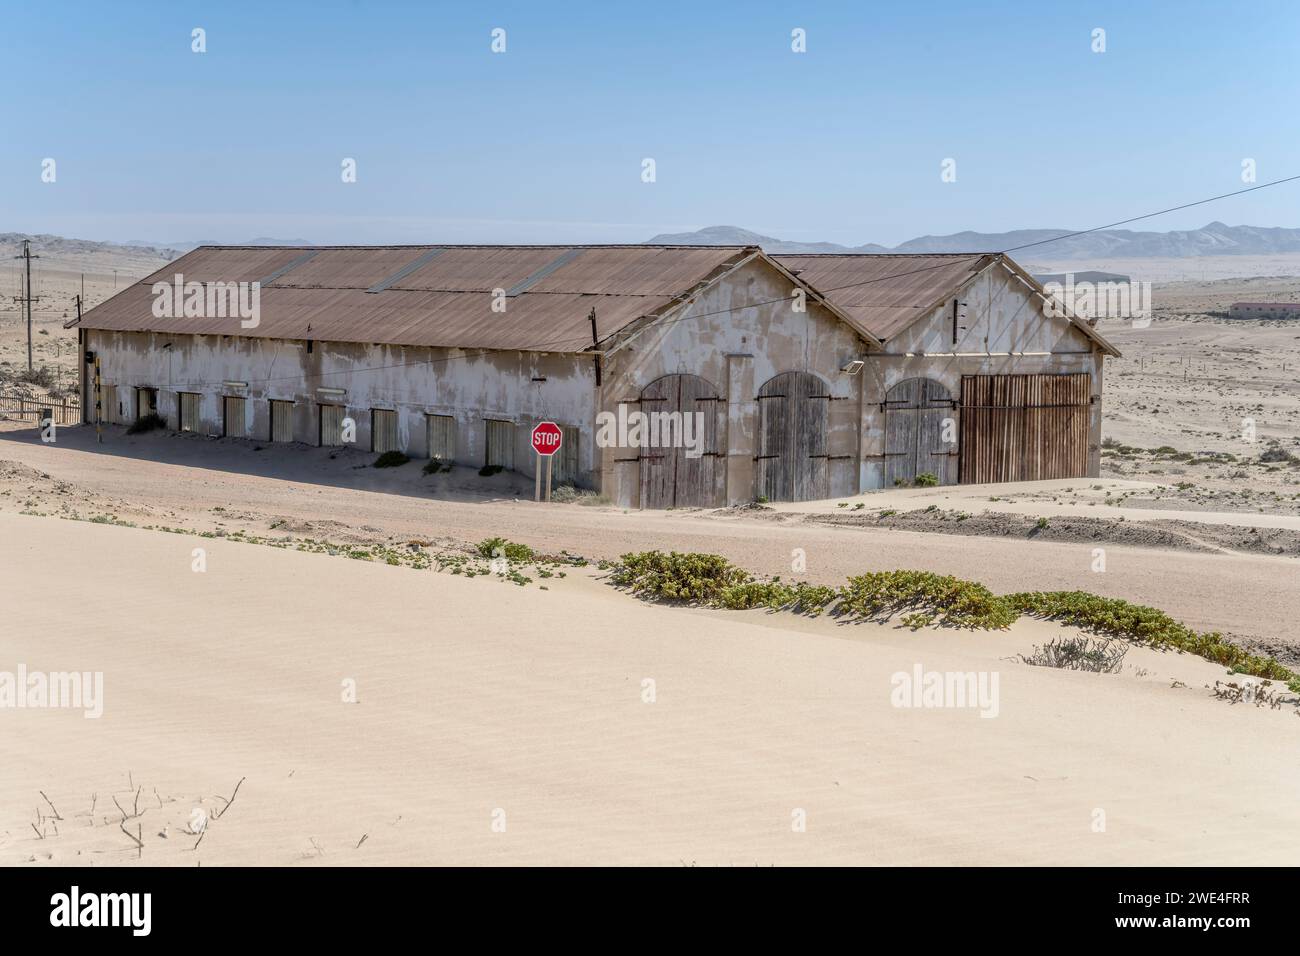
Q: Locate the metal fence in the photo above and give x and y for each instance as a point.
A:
(24, 407)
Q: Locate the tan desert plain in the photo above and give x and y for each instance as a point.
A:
(304, 661)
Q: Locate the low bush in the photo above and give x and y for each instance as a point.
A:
(926, 480)
(391, 459)
(435, 465)
(694, 578)
(1079, 654)
(487, 471)
(879, 595)
(500, 547)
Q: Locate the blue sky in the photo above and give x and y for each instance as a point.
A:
(544, 143)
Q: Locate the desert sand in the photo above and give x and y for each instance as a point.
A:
(477, 698)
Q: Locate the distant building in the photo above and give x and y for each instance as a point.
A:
(1264, 310)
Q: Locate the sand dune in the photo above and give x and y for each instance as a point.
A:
(478, 696)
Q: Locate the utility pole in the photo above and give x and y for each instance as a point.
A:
(28, 297)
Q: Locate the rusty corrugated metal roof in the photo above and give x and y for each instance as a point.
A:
(444, 301)
(442, 295)
(885, 293)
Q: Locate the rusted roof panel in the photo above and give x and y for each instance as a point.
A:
(228, 264)
(885, 293)
(447, 301)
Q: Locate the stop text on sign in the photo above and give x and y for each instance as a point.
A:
(547, 438)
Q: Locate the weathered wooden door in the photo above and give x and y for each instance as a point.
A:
(234, 416)
(331, 425)
(675, 472)
(383, 430)
(915, 413)
(1024, 427)
(189, 411)
(281, 421)
(442, 437)
(500, 449)
(793, 457)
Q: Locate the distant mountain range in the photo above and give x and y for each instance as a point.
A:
(188, 245)
(1215, 239)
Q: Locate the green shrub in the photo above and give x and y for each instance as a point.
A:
(487, 471)
(879, 595)
(692, 577)
(776, 596)
(510, 550)
(146, 423)
(435, 465)
(391, 459)
(926, 480)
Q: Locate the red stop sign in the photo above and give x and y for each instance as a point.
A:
(547, 438)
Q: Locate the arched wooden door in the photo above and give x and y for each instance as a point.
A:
(680, 460)
(915, 410)
(793, 460)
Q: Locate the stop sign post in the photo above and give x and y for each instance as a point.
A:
(547, 439)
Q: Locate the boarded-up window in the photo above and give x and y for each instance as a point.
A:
(281, 421)
(331, 425)
(500, 444)
(442, 437)
(146, 402)
(566, 459)
(383, 430)
(189, 411)
(234, 421)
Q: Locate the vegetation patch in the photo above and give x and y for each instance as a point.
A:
(1118, 618)
(1079, 654)
(921, 598)
(501, 548)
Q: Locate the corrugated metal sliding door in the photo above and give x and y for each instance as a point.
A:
(915, 410)
(1024, 427)
(189, 411)
(331, 425)
(281, 421)
(793, 460)
(383, 430)
(675, 473)
(500, 444)
(233, 418)
(442, 437)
